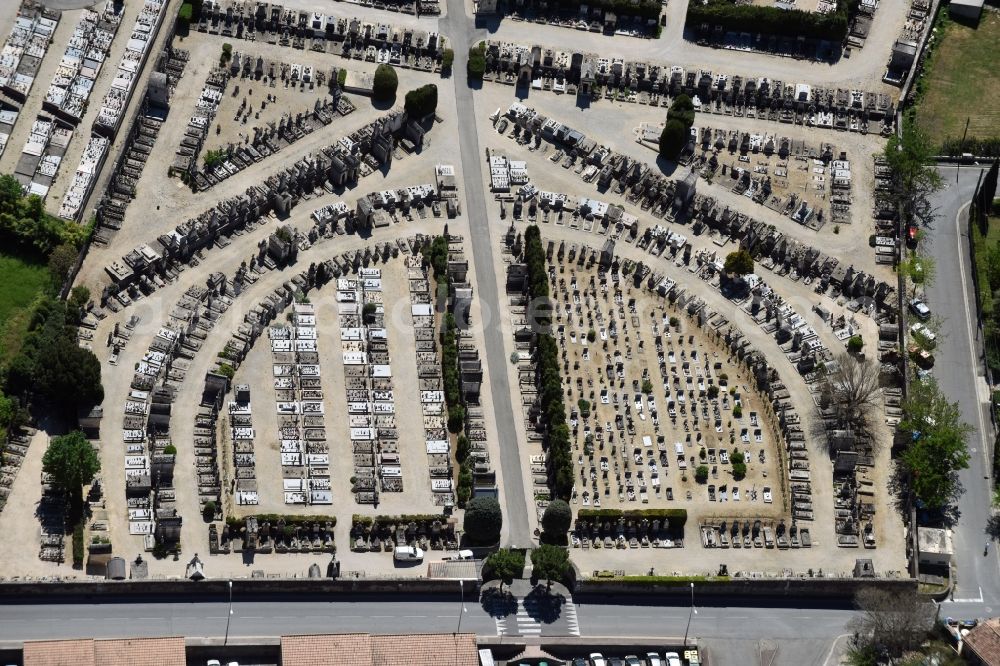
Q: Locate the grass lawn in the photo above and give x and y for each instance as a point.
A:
(963, 81)
(981, 245)
(23, 280)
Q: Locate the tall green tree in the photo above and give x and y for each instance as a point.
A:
(682, 109)
(938, 446)
(914, 179)
(505, 565)
(72, 463)
(550, 563)
(673, 138)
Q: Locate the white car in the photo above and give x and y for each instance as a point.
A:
(924, 332)
(597, 659)
(408, 554)
(460, 555)
(919, 308)
(767, 495)
(653, 659)
(673, 659)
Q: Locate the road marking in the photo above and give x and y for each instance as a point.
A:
(978, 600)
(829, 654)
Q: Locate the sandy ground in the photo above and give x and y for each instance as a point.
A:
(161, 205)
(890, 553)
(163, 202)
(863, 69)
(411, 170)
(851, 243)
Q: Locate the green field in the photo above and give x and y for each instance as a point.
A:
(963, 81)
(21, 281)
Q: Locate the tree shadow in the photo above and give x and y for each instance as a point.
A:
(384, 104)
(667, 167)
(542, 605)
(992, 528)
(498, 604)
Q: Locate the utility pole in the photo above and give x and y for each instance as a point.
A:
(229, 615)
(960, 147)
(691, 613)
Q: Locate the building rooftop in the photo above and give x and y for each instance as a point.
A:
(113, 652)
(383, 650)
(984, 641)
(935, 540)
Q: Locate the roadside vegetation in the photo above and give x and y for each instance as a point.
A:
(40, 360)
(961, 82)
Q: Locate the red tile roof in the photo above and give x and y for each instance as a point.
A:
(381, 650)
(114, 652)
(984, 641)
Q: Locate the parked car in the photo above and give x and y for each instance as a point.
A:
(632, 660)
(919, 308)
(673, 659)
(924, 332)
(653, 659)
(408, 554)
(597, 659)
(460, 555)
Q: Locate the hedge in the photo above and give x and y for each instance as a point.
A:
(771, 20)
(290, 519)
(677, 517)
(78, 553)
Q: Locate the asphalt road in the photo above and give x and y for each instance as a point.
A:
(959, 370)
(460, 30)
(817, 627)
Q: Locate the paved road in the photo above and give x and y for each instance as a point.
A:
(460, 30)
(816, 626)
(959, 371)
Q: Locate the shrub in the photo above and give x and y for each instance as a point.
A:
(701, 474)
(591, 335)
(476, 66)
(483, 520)
(557, 519)
(584, 406)
(170, 450)
(447, 60)
(184, 17)
(647, 386)
(738, 411)
(855, 344)
(385, 83)
(739, 471)
(208, 511)
(462, 449)
(713, 392)
(341, 77)
(78, 553)
(227, 370)
(422, 101)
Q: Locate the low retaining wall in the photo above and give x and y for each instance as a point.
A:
(218, 589)
(808, 588)
(588, 590)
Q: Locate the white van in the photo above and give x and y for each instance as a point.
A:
(408, 554)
